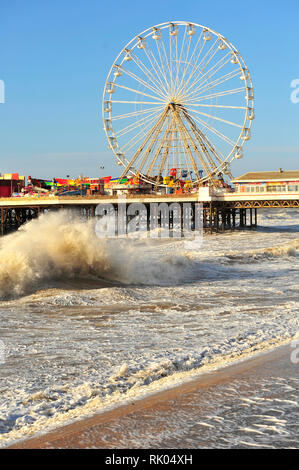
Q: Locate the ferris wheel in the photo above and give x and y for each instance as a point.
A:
(179, 101)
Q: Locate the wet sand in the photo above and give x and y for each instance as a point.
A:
(252, 403)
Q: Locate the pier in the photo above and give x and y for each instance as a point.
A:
(220, 210)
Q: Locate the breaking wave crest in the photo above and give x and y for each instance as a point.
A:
(60, 246)
(285, 250)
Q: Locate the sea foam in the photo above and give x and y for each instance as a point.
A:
(61, 246)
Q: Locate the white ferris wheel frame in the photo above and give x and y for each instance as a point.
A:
(236, 151)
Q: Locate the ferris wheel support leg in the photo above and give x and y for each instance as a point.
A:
(203, 142)
(182, 130)
(165, 154)
(137, 153)
(150, 147)
(151, 167)
(185, 135)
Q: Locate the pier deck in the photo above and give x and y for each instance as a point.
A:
(221, 210)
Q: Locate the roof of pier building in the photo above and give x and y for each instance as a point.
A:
(262, 176)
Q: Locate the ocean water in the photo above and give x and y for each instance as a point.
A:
(89, 323)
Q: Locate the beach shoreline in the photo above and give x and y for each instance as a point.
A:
(90, 431)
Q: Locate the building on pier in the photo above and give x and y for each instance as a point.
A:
(281, 181)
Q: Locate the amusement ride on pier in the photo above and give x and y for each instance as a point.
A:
(178, 104)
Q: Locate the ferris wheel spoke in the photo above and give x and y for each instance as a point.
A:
(209, 55)
(151, 144)
(163, 143)
(152, 163)
(198, 57)
(184, 149)
(155, 80)
(180, 59)
(220, 64)
(135, 139)
(133, 113)
(219, 81)
(181, 153)
(135, 102)
(215, 131)
(185, 156)
(199, 138)
(202, 82)
(210, 85)
(164, 154)
(216, 106)
(138, 79)
(221, 93)
(185, 134)
(216, 67)
(195, 47)
(185, 67)
(171, 58)
(152, 59)
(135, 125)
(139, 92)
(201, 156)
(211, 165)
(176, 61)
(172, 149)
(136, 154)
(156, 67)
(161, 61)
(168, 65)
(130, 143)
(216, 152)
(204, 138)
(146, 162)
(200, 65)
(213, 152)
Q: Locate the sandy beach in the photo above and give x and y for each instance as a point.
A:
(197, 414)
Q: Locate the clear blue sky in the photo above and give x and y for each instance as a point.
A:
(55, 55)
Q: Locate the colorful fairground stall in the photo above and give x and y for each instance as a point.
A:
(174, 182)
(65, 186)
(83, 186)
(114, 186)
(281, 181)
(10, 184)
